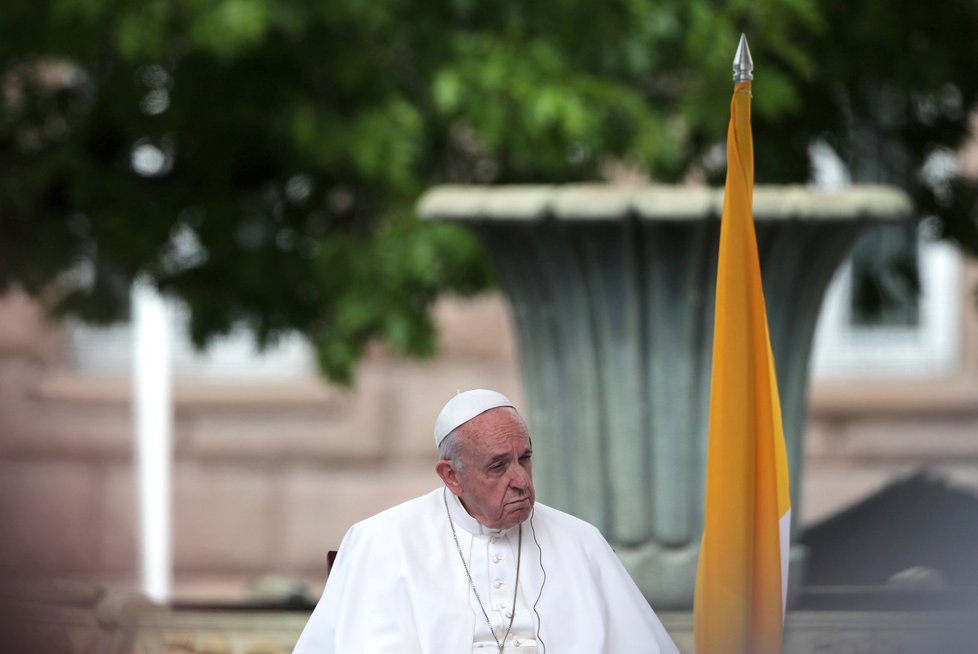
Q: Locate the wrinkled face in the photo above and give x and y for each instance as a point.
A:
(495, 482)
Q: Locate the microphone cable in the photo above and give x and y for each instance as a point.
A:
(544, 571)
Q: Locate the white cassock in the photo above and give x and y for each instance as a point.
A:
(398, 587)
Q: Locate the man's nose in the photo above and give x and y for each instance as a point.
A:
(519, 478)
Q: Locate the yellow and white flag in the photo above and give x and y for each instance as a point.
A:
(742, 579)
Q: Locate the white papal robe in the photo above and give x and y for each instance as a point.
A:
(397, 587)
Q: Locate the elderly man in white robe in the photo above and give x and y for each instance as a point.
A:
(478, 565)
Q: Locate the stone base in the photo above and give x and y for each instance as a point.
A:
(93, 621)
(667, 576)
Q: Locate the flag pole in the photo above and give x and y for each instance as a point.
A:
(743, 65)
(741, 577)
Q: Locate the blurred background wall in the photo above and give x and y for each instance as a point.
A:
(272, 465)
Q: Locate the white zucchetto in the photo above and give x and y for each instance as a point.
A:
(465, 406)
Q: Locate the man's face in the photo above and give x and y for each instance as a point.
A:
(495, 482)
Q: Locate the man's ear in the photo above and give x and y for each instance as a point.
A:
(449, 476)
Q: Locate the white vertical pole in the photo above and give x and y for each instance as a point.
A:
(153, 418)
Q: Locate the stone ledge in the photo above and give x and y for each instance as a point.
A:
(575, 202)
(72, 387)
(231, 421)
(933, 398)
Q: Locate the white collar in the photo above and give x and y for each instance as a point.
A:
(463, 519)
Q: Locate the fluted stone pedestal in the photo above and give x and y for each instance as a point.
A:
(612, 292)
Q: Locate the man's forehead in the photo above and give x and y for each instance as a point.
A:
(506, 452)
(496, 429)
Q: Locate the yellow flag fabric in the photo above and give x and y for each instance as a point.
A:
(741, 580)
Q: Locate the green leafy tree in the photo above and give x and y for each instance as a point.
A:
(260, 159)
(891, 94)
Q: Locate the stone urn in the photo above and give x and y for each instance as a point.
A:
(612, 293)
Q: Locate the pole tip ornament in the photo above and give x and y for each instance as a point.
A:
(743, 65)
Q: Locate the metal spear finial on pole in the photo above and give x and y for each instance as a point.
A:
(743, 65)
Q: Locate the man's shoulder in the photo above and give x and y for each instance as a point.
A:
(559, 520)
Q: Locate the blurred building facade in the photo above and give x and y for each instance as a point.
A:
(272, 465)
